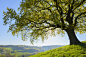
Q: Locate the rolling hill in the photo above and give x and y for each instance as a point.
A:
(65, 51)
(22, 50)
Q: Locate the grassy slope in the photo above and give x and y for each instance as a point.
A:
(18, 53)
(65, 51)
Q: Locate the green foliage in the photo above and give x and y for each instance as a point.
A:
(60, 15)
(15, 53)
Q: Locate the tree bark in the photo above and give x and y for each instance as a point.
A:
(72, 37)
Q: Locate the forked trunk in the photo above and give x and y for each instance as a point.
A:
(72, 37)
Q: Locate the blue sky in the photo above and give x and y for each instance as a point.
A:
(9, 39)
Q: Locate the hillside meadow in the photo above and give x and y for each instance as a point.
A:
(65, 51)
(23, 50)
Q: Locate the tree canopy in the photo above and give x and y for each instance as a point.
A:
(59, 15)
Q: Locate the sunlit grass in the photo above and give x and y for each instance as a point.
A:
(65, 51)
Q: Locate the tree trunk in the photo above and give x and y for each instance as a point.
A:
(72, 37)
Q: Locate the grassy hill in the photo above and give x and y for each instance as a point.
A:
(22, 50)
(65, 51)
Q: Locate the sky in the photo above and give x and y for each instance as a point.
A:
(9, 39)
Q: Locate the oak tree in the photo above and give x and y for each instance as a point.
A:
(59, 15)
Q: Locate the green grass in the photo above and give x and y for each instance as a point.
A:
(65, 51)
(9, 49)
(20, 53)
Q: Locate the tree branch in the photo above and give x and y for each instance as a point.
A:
(60, 12)
(77, 18)
(44, 21)
(79, 4)
(45, 8)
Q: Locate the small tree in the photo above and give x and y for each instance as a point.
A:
(63, 15)
(15, 53)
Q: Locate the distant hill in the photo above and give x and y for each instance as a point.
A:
(51, 47)
(29, 50)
